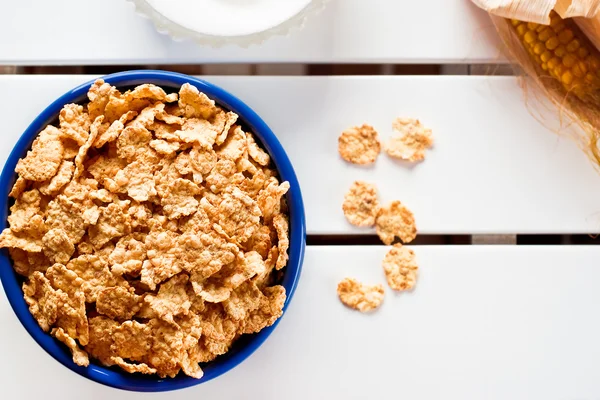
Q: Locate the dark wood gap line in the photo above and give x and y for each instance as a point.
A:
(373, 240)
(558, 240)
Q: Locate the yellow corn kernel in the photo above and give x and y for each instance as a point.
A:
(577, 71)
(521, 30)
(546, 56)
(573, 45)
(567, 78)
(530, 37)
(590, 78)
(569, 60)
(560, 51)
(552, 43)
(582, 53)
(531, 26)
(565, 36)
(541, 28)
(545, 35)
(515, 22)
(553, 63)
(539, 48)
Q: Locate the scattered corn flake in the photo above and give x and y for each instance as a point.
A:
(269, 199)
(395, 220)
(190, 366)
(137, 178)
(411, 140)
(132, 340)
(60, 277)
(261, 241)
(220, 176)
(151, 92)
(74, 123)
(359, 145)
(235, 146)
(171, 300)
(163, 255)
(99, 95)
(96, 275)
(26, 263)
(263, 279)
(62, 177)
(400, 268)
(280, 223)
(83, 150)
(72, 316)
(361, 204)
(18, 188)
(204, 254)
(165, 131)
(164, 147)
(254, 151)
(268, 311)
(242, 301)
(169, 119)
(117, 303)
(80, 357)
(44, 158)
(57, 246)
(24, 209)
(198, 131)
(203, 161)
(359, 296)
(167, 348)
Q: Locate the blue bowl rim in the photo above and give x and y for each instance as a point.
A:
(110, 376)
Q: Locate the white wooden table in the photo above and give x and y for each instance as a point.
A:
(485, 321)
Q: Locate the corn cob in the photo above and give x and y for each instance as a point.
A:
(564, 52)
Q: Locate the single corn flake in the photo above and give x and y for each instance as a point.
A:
(25, 208)
(410, 141)
(180, 200)
(359, 145)
(114, 222)
(400, 268)
(117, 303)
(83, 150)
(171, 300)
(269, 199)
(239, 215)
(235, 146)
(269, 310)
(114, 130)
(164, 147)
(44, 158)
(18, 188)
(132, 340)
(95, 274)
(255, 152)
(10, 239)
(101, 339)
(128, 256)
(80, 357)
(74, 123)
(194, 103)
(58, 246)
(359, 296)
(42, 299)
(132, 368)
(361, 204)
(395, 220)
(62, 177)
(163, 255)
(131, 140)
(230, 119)
(281, 225)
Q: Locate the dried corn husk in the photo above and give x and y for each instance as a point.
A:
(538, 10)
(545, 95)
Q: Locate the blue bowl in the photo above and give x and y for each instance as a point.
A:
(243, 347)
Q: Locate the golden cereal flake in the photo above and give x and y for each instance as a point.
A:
(359, 145)
(25, 208)
(269, 310)
(128, 256)
(395, 220)
(95, 274)
(42, 299)
(361, 204)
(165, 131)
(18, 188)
(411, 140)
(235, 146)
(72, 317)
(62, 177)
(195, 104)
(230, 119)
(198, 131)
(99, 95)
(221, 176)
(132, 368)
(163, 261)
(400, 268)
(14, 240)
(239, 215)
(83, 150)
(179, 200)
(26, 263)
(44, 158)
(74, 123)
(264, 279)
(164, 147)
(101, 339)
(281, 225)
(118, 303)
(113, 223)
(57, 246)
(359, 296)
(203, 160)
(167, 348)
(137, 178)
(80, 357)
(184, 165)
(151, 92)
(255, 152)
(242, 301)
(131, 340)
(114, 130)
(131, 140)
(60, 277)
(171, 300)
(261, 241)
(103, 167)
(168, 118)
(269, 199)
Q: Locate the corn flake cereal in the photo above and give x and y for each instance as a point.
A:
(359, 296)
(395, 220)
(147, 229)
(359, 145)
(400, 268)
(361, 204)
(411, 140)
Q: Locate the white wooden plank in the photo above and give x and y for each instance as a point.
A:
(383, 31)
(484, 322)
(494, 169)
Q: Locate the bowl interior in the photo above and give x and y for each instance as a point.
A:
(246, 344)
